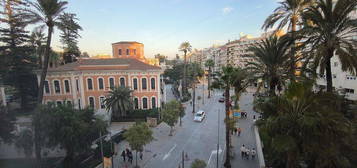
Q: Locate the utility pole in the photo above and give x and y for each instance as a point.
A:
(218, 139)
(183, 159)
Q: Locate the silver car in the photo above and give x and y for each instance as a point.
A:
(199, 116)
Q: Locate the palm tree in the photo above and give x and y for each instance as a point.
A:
(185, 47)
(47, 12)
(271, 61)
(37, 40)
(329, 31)
(119, 98)
(241, 80)
(289, 13)
(209, 63)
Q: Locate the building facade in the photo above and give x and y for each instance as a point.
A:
(86, 83)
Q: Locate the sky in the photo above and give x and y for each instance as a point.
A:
(162, 25)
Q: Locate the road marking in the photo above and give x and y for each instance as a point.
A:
(168, 153)
(214, 152)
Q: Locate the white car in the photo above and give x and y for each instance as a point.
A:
(199, 116)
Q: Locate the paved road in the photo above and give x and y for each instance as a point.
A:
(198, 140)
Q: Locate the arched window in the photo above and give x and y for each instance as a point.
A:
(136, 103)
(135, 83)
(153, 102)
(66, 86)
(90, 84)
(100, 83)
(143, 83)
(153, 84)
(145, 103)
(57, 86)
(111, 83)
(47, 87)
(122, 82)
(101, 101)
(91, 102)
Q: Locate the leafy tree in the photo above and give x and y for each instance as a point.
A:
(185, 47)
(47, 12)
(69, 35)
(119, 98)
(138, 136)
(197, 163)
(170, 113)
(271, 61)
(85, 55)
(210, 64)
(25, 142)
(328, 31)
(7, 122)
(162, 58)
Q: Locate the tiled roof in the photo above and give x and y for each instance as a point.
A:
(106, 64)
(126, 42)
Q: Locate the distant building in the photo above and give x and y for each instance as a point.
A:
(86, 83)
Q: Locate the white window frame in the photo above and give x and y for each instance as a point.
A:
(147, 88)
(111, 77)
(154, 82)
(93, 101)
(155, 102)
(135, 97)
(103, 83)
(54, 86)
(88, 85)
(100, 102)
(124, 81)
(49, 88)
(64, 86)
(147, 103)
(137, 84)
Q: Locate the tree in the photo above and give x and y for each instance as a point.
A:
(119, 98)
(24, 141)
(38, 41)
(328, 31)
(197, 163)
(289, 13)
(138, 136)
(305, 127)
(171, 113)
(47, 12)
(271, 61)
(162, 58)
(85, 55)
(241, 80)
(7, 122)
(185, 47)
(69, 36)
(209, 63)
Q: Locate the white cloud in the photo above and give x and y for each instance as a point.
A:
(227, 10)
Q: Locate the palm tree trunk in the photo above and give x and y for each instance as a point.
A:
(328, 70)
(183, 91)
(193, 98)
(272, 86)
(45, 65)
(227, 163)
(209, 83)
(292, 58)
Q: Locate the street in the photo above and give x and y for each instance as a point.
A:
(197, 140)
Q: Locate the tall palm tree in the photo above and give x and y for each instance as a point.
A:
(241, 80)
(209, 63)
(37, 40)
(47, 12)
(185, 47)
(119, 98)
(271, 61)
(289, 13)
(329, 31)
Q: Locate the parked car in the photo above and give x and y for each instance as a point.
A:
(199, 116)
(221, 100)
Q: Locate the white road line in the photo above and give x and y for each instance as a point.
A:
(214, 152)
(168, 153)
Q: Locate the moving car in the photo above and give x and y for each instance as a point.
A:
(199, 116)
(221, 100)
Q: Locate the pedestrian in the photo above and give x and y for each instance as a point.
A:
(253, 117)
(141, 155)
(127, 151)
(247, 153)
(242, 151)
(253, 153)
(130, 157)
(235, 131)
(123, 155)
(239, 131)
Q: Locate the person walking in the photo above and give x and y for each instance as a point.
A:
(130, 156)
(247, 153)
(235, 131)
(242, 151)
(141, 155)
(239, 131)
(253, 153)
(123, 155)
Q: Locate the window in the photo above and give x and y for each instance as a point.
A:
(143, 83)
(79, 103)
(47, 87)
(153, 102)
(66, 86)
(57, 86)
(153, 84)
(351, 91)
(59, 103)
(91, 102)
(127, 52)
(100, 83)
(136, 103)
(145, 103)
(135, 83)
(122, 82)
(111, 83)
(134, 51)
(77, 84)
(119, 51)
(90, 84)
(101, 100)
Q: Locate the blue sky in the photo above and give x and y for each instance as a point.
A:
(163, 24)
